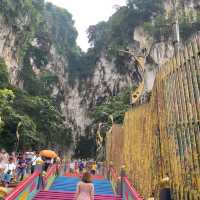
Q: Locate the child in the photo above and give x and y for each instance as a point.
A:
(6, 178)
(8, 172)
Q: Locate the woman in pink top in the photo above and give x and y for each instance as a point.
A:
(85, 188)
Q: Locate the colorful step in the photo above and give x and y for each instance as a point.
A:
(55, 195)
(68, 174)
(68, 184)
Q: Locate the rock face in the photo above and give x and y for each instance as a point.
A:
(105, 81)
(76, 101)
(9, 50)
(76, 104)
(157, 53)
(161, 51)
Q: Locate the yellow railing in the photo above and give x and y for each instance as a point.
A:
(162, 137)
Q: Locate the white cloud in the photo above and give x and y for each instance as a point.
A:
(86, 13)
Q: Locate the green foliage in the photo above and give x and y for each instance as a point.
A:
(82, 66)
(159, 28)
(31, 82)
(117, 33)
(187, 27)
(37, 84)
(115, 106)
(146, 9)
(42, 125)
(49, 121)
(4, 80)
(39, 56)
(98, 35)
(14, 10)
(6, 97)
(48, 81)
(86, 147)
(27, 131)
(61, 29)
(24, 16)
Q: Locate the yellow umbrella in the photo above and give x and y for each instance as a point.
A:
(48, 153)
(3, 192)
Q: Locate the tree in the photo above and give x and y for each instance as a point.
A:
(6, 98)
(115, 106)
(4, 80)
(146, 9)
(86, 147)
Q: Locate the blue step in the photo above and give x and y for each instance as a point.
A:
(68, 184)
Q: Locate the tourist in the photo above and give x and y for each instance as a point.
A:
(4, 155)
(81, 166)
(47, 163)
(76, 166)
(36, 163)
(29, 157)
(85, 188)
(71, 167)
(8, 172)
(14, 157)
(93, 168)
(2, 166)
(3, 162)
(21, 167)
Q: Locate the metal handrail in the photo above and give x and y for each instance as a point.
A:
(21, 186)
(28, 180)
(132, 190)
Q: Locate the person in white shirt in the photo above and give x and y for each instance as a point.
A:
(9, 172)
(2, 167)
(36, 162)
(72, 166)
(29, 157)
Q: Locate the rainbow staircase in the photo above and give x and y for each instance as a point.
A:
(53, 187)
(63, 188)
(54, 195)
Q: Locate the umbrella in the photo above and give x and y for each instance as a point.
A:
(3, 192)
(48, 153)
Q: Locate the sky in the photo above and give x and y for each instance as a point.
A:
(88, 12)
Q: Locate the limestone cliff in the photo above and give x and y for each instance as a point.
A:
(42, 55)
(35, 43)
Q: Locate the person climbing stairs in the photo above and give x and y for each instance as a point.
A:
(57, 187)
(64, 188)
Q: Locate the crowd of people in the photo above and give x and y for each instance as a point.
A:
(81, 166)
(15, 167)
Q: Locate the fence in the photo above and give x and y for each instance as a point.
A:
(122, 186)
(30, 186)
(160, 140)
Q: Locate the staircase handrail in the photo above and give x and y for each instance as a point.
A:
(113, 172)
(21, 186)
(114, 179)
(131, 189)
(67, 166)
(51, 170)
(27, 182)
(127, 188)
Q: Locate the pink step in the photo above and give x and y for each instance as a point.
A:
(68, 174)
(53, 195)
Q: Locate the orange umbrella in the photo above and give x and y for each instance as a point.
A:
(48, 153)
